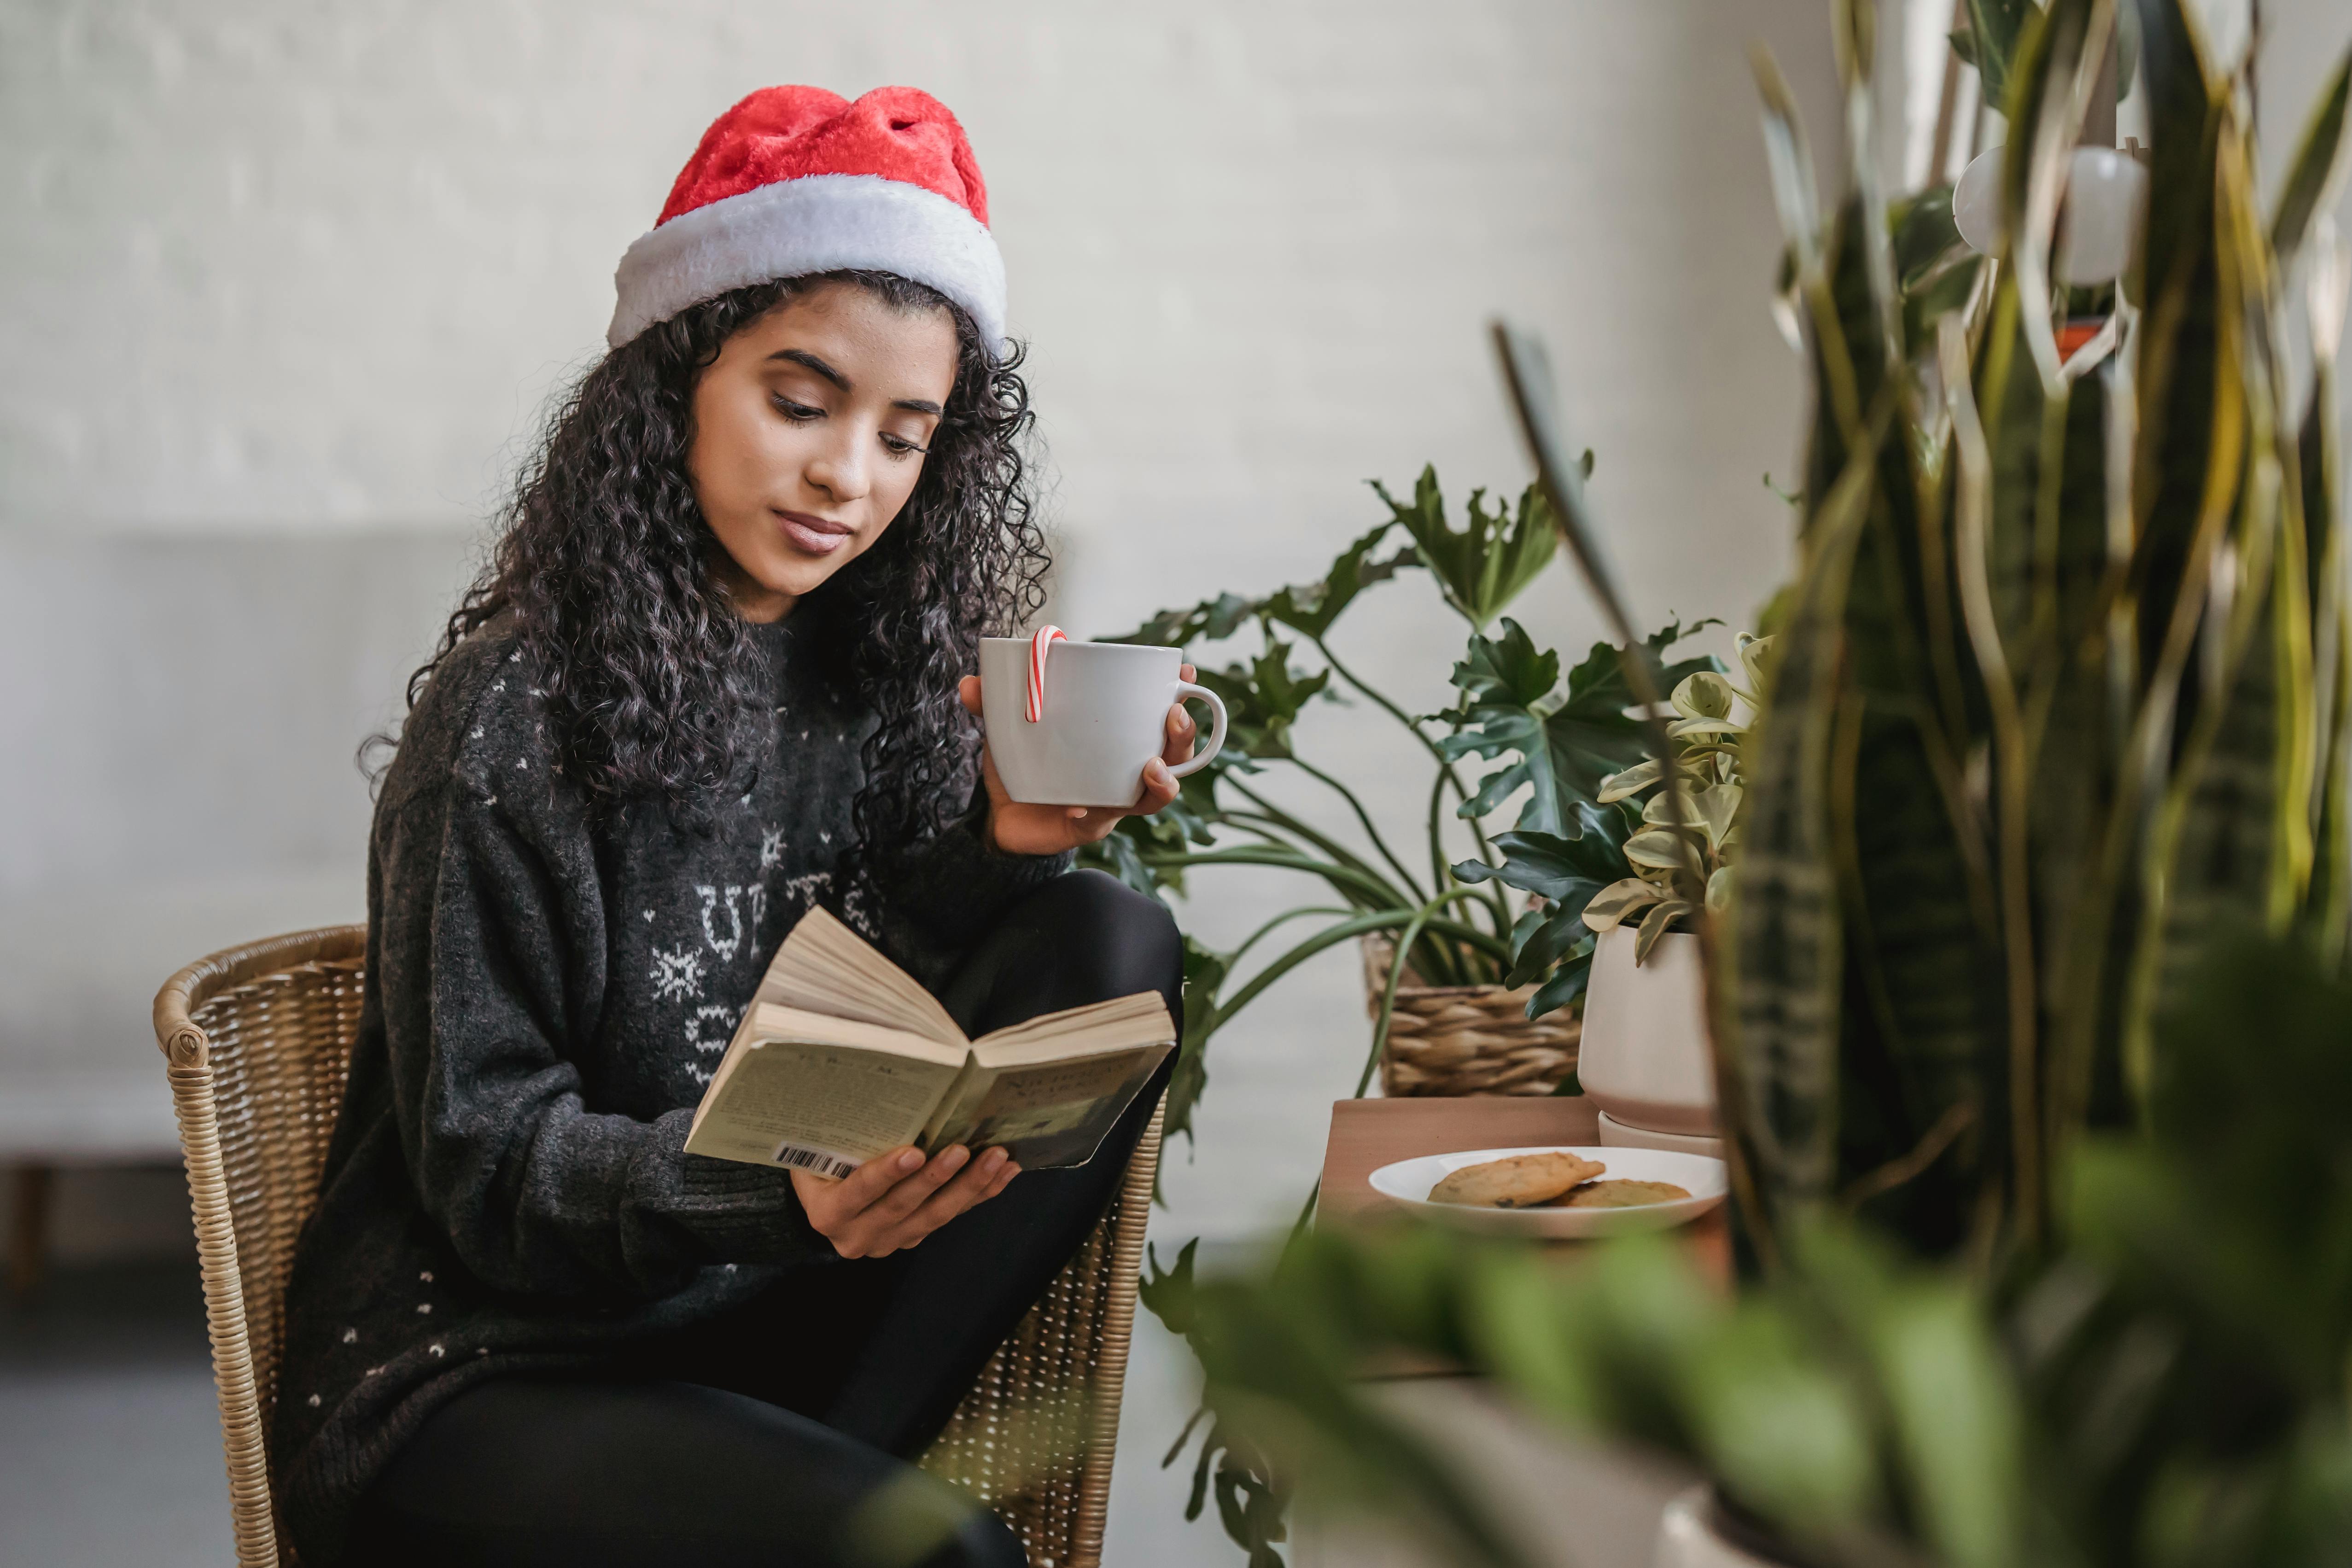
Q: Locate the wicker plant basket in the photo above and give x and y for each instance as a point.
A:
(1465, 1040)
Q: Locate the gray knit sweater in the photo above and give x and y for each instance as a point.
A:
(547, 993)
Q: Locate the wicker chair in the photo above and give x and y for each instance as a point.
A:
(258, 1042)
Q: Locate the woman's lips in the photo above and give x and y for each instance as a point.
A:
(815, 535)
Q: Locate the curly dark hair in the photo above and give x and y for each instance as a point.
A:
(604, 567)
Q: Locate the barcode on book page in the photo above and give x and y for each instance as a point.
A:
(811, 1160)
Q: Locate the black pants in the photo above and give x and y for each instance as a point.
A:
(780, 1434)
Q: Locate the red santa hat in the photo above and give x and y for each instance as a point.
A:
(795, 180)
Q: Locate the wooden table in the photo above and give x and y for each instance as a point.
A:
(1567, 1501)
(1368, 1134)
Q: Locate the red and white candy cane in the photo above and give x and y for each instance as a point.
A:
(1045, 637)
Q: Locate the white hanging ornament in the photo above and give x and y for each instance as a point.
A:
(2105, 192)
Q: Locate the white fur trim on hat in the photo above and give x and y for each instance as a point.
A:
(819, 222)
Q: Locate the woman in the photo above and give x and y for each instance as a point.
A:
(712, 677)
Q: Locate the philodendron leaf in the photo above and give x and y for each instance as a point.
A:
(1663, 848)
(1567, 743)
(1757, 656)
(1541, 938)
(1703, 694)
(1554, 866)
(1567, 984)
(1632, 781)
(1613, 904)
(1311, 608)
(1719, 890)
(1482, 567)
(1654, 926)
(1262, 699)
(1716, 812)
(1205, 972)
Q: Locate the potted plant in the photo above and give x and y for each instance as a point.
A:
(1646, 1060)
(1468, 948)
(1483, 1000)
(2060, 706)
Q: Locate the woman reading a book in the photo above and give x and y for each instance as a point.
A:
(712, 679)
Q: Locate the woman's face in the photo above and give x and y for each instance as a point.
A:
(809, 433)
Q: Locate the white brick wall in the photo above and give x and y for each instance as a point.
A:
(292, 266)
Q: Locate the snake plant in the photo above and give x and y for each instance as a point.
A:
(2062, 697)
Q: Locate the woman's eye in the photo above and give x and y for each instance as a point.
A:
(798, 413)
(899, 447)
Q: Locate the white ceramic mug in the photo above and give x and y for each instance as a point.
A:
(1106, 714)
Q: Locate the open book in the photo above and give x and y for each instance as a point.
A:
(841, 1056)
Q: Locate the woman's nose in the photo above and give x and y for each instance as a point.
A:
(840, 471)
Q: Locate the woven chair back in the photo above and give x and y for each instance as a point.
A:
(257, 1043)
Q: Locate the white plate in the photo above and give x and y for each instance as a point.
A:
(1407, 1184)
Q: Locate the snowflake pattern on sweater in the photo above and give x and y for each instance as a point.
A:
(548, 991)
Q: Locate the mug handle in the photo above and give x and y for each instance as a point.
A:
(1216, 728)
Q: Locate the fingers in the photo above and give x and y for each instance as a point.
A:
(968, 692)
(869, 1183)
(1160, 787)
(912, 1192)
(913, 1202)
(980, 1180)
(1180, 733)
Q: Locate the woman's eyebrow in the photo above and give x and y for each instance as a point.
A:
(803, 356)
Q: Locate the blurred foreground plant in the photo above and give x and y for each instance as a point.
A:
(2168, 1386)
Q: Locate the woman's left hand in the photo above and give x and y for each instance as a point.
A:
(1022, 830)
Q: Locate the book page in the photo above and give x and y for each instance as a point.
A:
(817, 1105)
(1049, 1115)
(824, 966)
(1122, 1023)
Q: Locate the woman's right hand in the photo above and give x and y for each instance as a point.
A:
(898, 1199)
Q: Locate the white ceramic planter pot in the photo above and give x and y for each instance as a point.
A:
(1645, 1058)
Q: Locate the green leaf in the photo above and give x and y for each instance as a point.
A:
(1992, 34)
(1779, 1430)
(1263, 699)
(1655, 924)
(1613, 904)
(1786, 943)
(1555, 866)
(1924, 233)
(2318, 167)
(2180, 374)
(1566, 743)
(1168, 1294)
(1542, 939)
(1496, 555)
(1565, 986)
(1204, 973)
(1312, 608)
